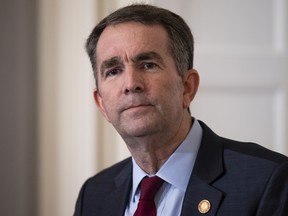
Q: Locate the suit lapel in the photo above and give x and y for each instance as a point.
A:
(200, 191)
(208, 167)
(115, 203)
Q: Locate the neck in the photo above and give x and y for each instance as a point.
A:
(150, 153)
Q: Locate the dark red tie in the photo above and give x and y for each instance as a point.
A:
(149, 188)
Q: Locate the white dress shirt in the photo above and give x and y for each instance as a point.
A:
(175, 171)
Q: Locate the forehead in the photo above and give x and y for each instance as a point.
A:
(131, 38)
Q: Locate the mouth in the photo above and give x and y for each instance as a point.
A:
(137, 106)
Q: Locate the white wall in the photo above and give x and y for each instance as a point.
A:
(67, 117)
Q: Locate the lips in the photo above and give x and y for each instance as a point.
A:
(133, 105)
(136, 106)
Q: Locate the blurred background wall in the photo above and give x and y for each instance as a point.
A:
(53, 138)
(18, 109)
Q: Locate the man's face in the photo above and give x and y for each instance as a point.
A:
(139, 89)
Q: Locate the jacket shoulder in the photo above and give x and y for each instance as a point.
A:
(110, 173)
(92, 197)
(242, 148)
(254, 150)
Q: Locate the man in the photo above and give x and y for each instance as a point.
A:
(142, 58)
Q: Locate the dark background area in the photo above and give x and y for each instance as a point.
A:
(18, 112)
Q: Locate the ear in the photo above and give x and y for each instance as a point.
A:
(99, 103)
(191, 82)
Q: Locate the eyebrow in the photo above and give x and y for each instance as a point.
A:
(109, 63)
(147, 56)
(116, 60)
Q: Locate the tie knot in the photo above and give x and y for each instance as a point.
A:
(149, 187)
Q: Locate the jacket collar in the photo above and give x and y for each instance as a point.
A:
(208, 167)
(115, 203)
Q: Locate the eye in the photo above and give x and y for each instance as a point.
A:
(149, 65)
(112, 72)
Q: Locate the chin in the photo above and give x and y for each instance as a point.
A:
(139, 131)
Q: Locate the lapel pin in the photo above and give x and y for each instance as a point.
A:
(204, 206)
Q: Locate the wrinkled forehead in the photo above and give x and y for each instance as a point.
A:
(129, 39)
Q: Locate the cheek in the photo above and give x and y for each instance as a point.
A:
(109, 104)
(171, 91)
(175, 88)
(178, 97)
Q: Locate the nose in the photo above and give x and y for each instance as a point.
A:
(134, 82)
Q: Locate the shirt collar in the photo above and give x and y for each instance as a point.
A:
(180, 163)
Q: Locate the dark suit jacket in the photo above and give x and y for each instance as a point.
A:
(238, 179)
